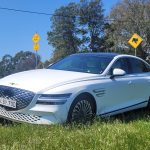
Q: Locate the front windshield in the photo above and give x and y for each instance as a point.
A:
(82, 63)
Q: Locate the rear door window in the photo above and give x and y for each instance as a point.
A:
(138, 66)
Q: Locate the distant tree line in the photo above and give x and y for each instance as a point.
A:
(82, 27)
(20, 62)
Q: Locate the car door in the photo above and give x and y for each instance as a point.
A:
(127, 92)
(140, 82)
(117, 89)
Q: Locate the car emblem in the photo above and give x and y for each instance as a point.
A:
(13, 83)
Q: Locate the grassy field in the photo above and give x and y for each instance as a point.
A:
(130, 131)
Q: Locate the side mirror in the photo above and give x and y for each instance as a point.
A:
(117, 72)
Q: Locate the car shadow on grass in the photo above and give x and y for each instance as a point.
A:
(127, 117)
(142, 114)
(130, 116)
(5, 122)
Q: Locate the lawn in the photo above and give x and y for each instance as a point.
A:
(130, 131)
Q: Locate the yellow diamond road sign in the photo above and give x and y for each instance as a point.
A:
(36, 46)
(35, 38)
(135, 40)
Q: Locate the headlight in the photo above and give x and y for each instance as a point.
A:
(53, 99)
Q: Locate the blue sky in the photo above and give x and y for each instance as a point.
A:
(17, 29)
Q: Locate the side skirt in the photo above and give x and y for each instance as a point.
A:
(122, 109)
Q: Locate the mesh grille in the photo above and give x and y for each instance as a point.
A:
(19, 116)
(22, 97)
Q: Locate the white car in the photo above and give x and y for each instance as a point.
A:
(76, 88)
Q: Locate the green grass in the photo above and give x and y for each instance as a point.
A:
(130, 131)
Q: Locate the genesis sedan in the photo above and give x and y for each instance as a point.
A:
(76, 89)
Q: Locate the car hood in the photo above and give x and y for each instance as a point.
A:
(40, 79)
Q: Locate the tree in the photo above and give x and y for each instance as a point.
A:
(20, 62)
(131, 16)
(92, 24)
(63, 36)
(77, 27)
(25, 61)
(6, 65)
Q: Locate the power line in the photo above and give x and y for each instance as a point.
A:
(34, 12)
(25, 11)
(42, 13)
(49, 14)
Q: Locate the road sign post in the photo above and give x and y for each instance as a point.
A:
(36, 46)
(135, 41)
(135, 51)
(36, 60)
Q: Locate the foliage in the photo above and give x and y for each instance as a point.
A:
(46, 64)
(130, 16)
(81, 27)
(25, 61)
(77, 27)
(92, 24)
(20, 62)
(63, 35)
(6, 65)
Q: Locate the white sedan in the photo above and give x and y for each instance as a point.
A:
(76, 88)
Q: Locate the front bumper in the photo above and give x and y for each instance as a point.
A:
(39, 114)
(28, 110)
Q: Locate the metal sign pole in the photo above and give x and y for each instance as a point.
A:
(36, 60)
(135, 51)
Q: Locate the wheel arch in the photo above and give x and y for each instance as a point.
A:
(89, 95)
(91, 98)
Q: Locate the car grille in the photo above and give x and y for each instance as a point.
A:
(20, 117)
(22, 97)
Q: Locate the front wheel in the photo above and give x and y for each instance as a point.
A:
(82, 109)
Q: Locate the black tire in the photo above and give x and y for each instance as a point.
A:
(82, 110)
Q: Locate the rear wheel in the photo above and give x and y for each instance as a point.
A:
(82, 109)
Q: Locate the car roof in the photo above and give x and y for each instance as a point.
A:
(98, 54)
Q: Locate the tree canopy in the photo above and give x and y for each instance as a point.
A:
(20, 62)
(77, 27)
(129, 17)
(82, 27)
